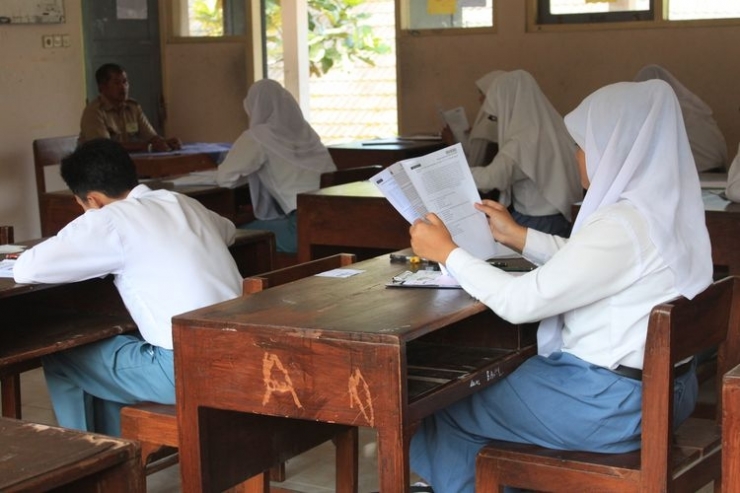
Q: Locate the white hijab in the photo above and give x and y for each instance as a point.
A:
(485, 129)
(532, 134)
(637, 151)
(707, 142)
(276, 122)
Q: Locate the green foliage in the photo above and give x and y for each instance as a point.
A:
(208, 17)
(336, 35)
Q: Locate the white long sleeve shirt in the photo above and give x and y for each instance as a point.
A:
(605, 280)
(282, 180)
(167, 252)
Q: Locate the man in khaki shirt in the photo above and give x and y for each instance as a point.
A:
(112, 115)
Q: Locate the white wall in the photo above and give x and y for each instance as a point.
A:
(41, 95)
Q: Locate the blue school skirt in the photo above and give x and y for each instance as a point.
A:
(559, 402)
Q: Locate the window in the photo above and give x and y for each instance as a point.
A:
(598, 11)
(581, 11)
(209, 18)
(446, 14)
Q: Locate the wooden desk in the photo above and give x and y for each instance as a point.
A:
(723, 224)
(352, 218)
(380, 151)
(192, 157)
(327, 350)
(731, 431)
(40, 319)
(46, 458)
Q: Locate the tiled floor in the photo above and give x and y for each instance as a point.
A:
(312, 472)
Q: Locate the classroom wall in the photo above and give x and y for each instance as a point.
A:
(568, 66)
(205, 83)
(41, 95)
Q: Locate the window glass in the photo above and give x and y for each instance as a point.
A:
(703, 9)
(585, 11)
(447, 14)
(209, 18)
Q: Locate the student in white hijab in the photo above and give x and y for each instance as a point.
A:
(482, 137)
(534, 168)
(280, 156)
(707, 142)
(628, 252)
(733, 179)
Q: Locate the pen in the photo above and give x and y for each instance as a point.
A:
(497, 263)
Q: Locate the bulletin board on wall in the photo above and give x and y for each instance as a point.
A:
(31, 11)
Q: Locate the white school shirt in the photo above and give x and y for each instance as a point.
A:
(282, 179)
(605, 280)
(167, 252)
(503, 174)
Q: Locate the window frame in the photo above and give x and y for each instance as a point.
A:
(545, 18)
(403, 14)
(172, 15)
(660, 20)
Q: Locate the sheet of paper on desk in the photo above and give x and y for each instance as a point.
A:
(205, 177)
(441, 182)
(6, 268)
(340, 273)
(12, 248)
(423, 279)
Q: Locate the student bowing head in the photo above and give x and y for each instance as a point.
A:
(636, 150)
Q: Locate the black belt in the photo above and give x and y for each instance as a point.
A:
(636, 374)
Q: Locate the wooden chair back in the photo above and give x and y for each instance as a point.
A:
(348, 175)
(260, 282)
(731, 431)
(6, 235)
(681, 460)
(49, 152)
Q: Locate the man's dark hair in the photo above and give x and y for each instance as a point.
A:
(104, 73)
(99, 165)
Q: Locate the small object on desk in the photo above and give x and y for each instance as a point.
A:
(411, 259)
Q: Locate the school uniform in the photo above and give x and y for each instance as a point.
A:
(168, 255)
(125, 122)
(279, 156)
(535, 167)
(593, 292)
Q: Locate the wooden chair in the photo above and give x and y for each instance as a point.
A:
(49, 152)
(731, 431)
(348, 175)
(684, 460)
(155, 425)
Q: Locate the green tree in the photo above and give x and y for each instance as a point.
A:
(336, 35)
(207, 17)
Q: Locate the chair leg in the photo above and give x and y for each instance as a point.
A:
(347, 444)
(487, 478)
(11, 396)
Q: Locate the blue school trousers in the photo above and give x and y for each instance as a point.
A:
(285, 229)
(560, 402)
(89, 385)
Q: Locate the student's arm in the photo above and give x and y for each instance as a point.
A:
(598, 261)
(86, 248)
(497, 175)
(244, 158)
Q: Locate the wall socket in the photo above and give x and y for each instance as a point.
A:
(55, 41)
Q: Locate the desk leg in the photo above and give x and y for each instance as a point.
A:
(731, 431)
(11, 396)
(393, 461)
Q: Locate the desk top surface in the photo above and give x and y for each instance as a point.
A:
(391, 144)
(33, 453)
(359, 308)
